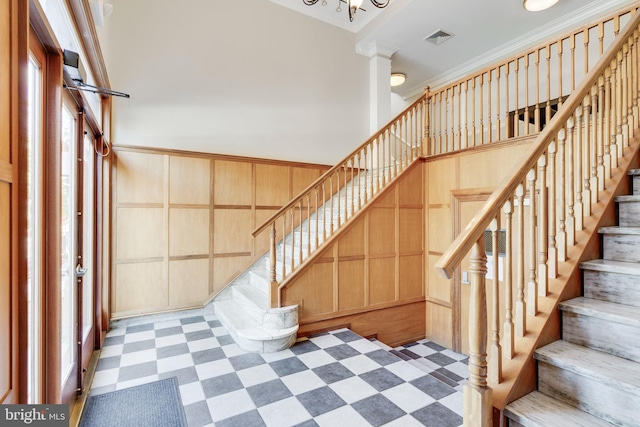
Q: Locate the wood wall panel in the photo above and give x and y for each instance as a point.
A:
(411, 235)
(439, 324)
(189, 217)
(140, 233)
(351, 294)
(191, 274)
(442, 178)
(140, 178)
(233, 183)
(5, 86)
(314, 291)
(6, 335)
(410, 190)
(440, 232)
(353, 243)
(437, 287)
(140, 287)
(272, 185)
(189, 180)
(382, 232)
(188, 232)
(411, 280)
(382, 279)
(301, 178)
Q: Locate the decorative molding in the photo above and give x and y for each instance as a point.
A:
(376, 48)
(522, 43)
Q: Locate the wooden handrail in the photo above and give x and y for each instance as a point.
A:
(463, 244)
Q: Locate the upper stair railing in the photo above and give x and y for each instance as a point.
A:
(550, 192)
(324, 206)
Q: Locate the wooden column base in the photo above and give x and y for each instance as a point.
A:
(478, 407)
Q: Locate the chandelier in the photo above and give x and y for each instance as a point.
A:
(353, 5)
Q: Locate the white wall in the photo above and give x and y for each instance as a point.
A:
(248, 78)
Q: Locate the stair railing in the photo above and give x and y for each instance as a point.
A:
(519, 95)
(298, 229)
(542, 203)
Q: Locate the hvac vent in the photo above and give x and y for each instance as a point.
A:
(438, 37)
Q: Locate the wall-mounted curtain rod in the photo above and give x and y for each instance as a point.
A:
(95, 89)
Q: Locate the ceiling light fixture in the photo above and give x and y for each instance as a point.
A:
(397, 79)
(353, 5)
(538, 5)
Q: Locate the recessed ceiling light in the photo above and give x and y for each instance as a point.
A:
(397, 79)
(538, 5)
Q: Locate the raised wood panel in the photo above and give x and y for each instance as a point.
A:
(140, 177)
(440, 231)
(232, 183)
(189, 180)
(351, 284)
(474, 170)
(388, 200)
(5, 85)
(382, 231)
(411, 282)
(272, 185)
(442, 177)
(352, 242)
(6, 336)
(232, 230)
(302, 177)
(261, 241)
(188, 282)
(438, 327)
(382, 279)
(140, 233)
(188, 232)
(140, 288)
(411, 234)
(313, 291)
(437, 287)
(227, 268)
(410, 188)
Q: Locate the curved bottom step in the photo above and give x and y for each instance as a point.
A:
(249, 334)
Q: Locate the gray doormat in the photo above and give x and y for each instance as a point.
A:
(156, 404)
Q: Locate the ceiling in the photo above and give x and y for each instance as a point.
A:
(483, 32)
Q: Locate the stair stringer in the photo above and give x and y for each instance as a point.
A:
(520, 373)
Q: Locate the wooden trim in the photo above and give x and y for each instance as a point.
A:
(242, 207)
(231, 254)
(6, 171)
(360, 310)
(41, 26)
(511, 142)
(188, 257)
(439, 302)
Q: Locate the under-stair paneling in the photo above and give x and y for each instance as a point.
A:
(374, 266)
(182, 223)
(6, 318)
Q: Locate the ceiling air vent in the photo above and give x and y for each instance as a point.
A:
(438, 37)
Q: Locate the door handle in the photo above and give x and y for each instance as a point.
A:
(80, 271)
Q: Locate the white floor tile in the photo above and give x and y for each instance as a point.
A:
(302, 382)
(137, 381)
(364, 346)
(459, 369)
(343, 416)
(230, 404)
(191, 393)
(284, 413)
(360, 364)
(256, 375)
(214, 369)
(137, 357)
(139, 336)
(170, 340)
(174, 363)
(406, 398)
(314, 359)
(405, 370)
(111, 350)
(454, 402)
(105, 377)
(205, 344)
(192, 327)
(325, 341)
(353, 389)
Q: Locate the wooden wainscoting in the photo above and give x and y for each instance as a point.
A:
(371, 276)
(182, 223)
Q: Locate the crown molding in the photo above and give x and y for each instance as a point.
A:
(376, 48)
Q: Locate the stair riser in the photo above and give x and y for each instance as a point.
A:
(636, 185)
(249, 306)
(602, 335)
(612, 287)
(595, 397)
(259, 282)
(629, 214)
(621, 247)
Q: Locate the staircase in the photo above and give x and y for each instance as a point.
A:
(592, 376)
(243, 307)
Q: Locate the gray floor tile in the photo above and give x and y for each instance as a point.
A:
(433, 387)
(139, 328)
(174, 330)
(440, 359)
(378, 410)
(184, 375)
(436, 347)
(199, 335)
(381, 379)
(190, 320)
(333, 372)
(198, 414)
(137, 371)
(108, 363)
(308, 423)
(220, 385)
(288, 366)
(304, 347)
(437, 414)
(320, 401)
(214, 323)
(248, 419)
(343, 351)
(269, 392)
(245, 361)
(347, 336)
(138, 346)
(383, 357)
(205, 356)
(172, 350)
(119, 339)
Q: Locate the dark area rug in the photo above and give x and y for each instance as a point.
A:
(156, 404)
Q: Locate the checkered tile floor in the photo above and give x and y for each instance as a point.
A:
(332, 379)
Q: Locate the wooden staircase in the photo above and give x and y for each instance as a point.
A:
(592, 376)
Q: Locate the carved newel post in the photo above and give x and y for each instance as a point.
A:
(478, 406)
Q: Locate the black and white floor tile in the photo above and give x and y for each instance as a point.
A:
(333, 379)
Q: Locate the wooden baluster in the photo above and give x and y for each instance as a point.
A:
(624, 112)
(352, 199)
(526, 94)
(509, 347)
(331, 189)
(427, 124)
(620, 132)
(561, 237)
(346, 192)
(570, 186)
(325, 227)
(367, 173)
(488, 123)
(560, 48)
(506, 100)
(613, 144)
(532, 284)
(600, 135)
(386, 161)
(293, 241)
(543, 224)
(359, 180)
(634, 79)
(478, 407)
(547, 110)
(606, 124)
(395, 149)
(446, 121)
(498, 117)
(536, 111)
(473, 112)
(403, 126)
(495, 371)
(586, 156)
(601, 37)
(552, 258)
(300, 226)
(284, 247)
(440, 125)
(314, 232)
(578, 206)
(521, 318)
(459, 145)
(317, 233)
(273, 282)
(516, 116)
(585, 35)
(572, 41)
(591, 128)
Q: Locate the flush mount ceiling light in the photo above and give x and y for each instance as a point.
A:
(538, 5)
(353, 5)
(397, 79)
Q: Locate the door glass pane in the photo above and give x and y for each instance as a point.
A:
(68, 250)
(87, 240)
(34, 209)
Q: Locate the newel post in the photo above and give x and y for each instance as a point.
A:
(478, 402)
(274, 295)
(426, 139)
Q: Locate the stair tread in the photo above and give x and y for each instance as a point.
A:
(611, 266)
(612, 311)
(627, 198)
(539, 410)
(619, 230)
(634, 172)
(255, 295)
(592, 363)
(246, 326)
